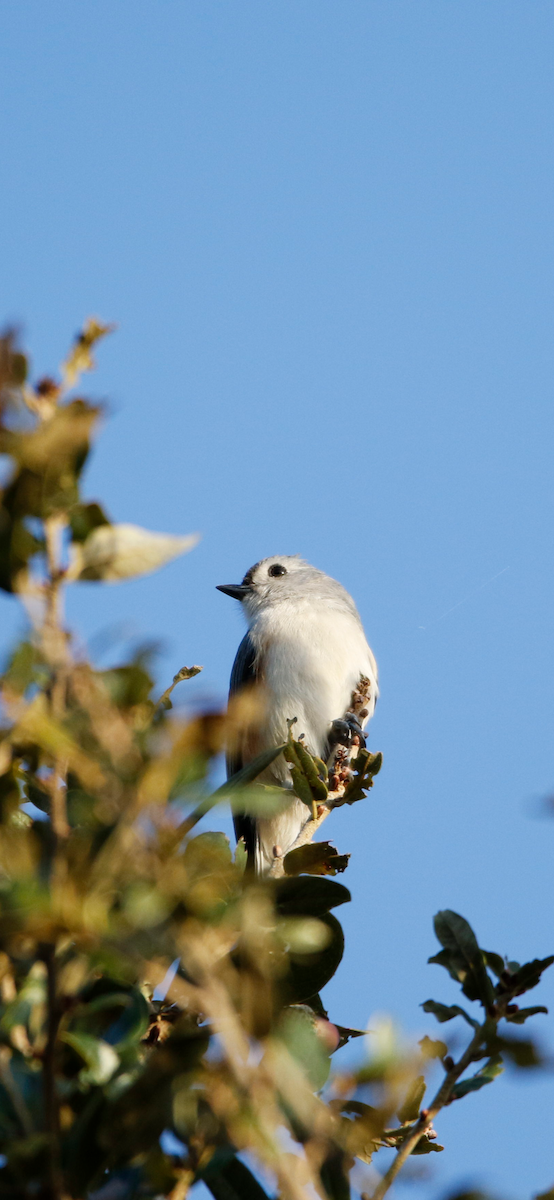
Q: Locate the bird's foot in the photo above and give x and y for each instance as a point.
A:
(346, 731)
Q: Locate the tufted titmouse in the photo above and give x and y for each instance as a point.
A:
(306, 648)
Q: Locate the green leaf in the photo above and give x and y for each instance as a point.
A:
(495, 961)
(17, 544)
(127, 685)
(248, 773)
(426, 1146)
(308, 973)
(241, 856)
(431, 1048)
(365, 766)
(297, 1029)
(491, 1069)
(522, 1052)
(315, 858)
(334, 1176)
(305, 772)
(26, 666)
(409, 1110)
(527, 976)
(83, 518)
(522, 1014)
(446, 1012)
(261, 800)
(308, 896)
(444, 959)
(100, 1058)
(464, 956)
(231, 1180)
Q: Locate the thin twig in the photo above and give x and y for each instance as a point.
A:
(425, 1121)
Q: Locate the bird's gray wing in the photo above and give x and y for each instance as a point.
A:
(243, 673)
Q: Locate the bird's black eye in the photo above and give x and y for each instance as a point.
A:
(277, 569)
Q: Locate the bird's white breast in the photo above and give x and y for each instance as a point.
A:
(311, 658)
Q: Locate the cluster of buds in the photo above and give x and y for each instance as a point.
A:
(340, 770)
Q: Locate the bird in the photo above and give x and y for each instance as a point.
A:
(305, 650)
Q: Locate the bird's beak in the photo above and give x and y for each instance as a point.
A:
(236, 590)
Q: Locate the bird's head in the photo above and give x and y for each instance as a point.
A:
(282, 577)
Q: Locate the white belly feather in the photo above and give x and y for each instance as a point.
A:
(312, 658)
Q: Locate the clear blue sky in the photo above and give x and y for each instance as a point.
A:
(325, 231)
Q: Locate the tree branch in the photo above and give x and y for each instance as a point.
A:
(425, 1121)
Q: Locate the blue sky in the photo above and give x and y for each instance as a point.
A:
(325, 232)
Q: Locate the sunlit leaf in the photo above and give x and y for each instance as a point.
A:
(114, 553)
(431, 1048)
(100, 1058)
(315, 858)
(80, 357)
(299, 1033)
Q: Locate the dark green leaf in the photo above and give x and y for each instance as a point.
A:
(522, 1014)
(231, 1180)
(308, 973)
(334, 1176)
(315, 858)
(491, 1069)
(446, 1012)
(308, 896)
(528, 976)
(522, 1052)
(465, 958)
(444, 959)
(495, 962)
(85, 517)
(426, 1146)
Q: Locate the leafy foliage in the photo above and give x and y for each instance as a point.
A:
(149, 984)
